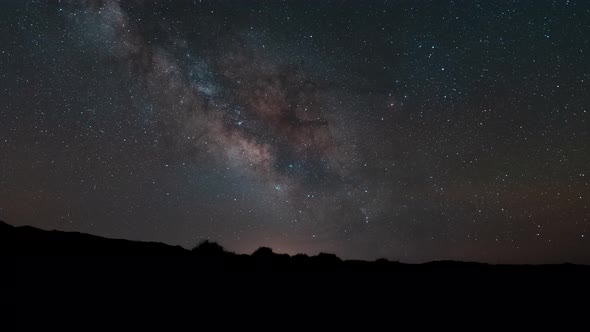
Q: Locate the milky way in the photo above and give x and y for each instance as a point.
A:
(391, 129)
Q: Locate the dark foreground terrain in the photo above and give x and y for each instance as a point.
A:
(27, 241)
(50, 265)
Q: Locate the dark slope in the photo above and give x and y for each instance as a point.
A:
(27, 240)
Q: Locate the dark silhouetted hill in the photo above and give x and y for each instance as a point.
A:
(52, 265)
(27, 240)
(32, 242)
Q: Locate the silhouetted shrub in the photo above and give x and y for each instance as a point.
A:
(263, 252)
(209, 248)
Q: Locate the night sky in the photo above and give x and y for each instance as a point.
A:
(410, 130)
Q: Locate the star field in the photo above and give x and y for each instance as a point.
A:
(410, 130)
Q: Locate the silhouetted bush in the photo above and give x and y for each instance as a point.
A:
(209, 248)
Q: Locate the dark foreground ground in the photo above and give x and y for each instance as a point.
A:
(32, 243)
(42, 268)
